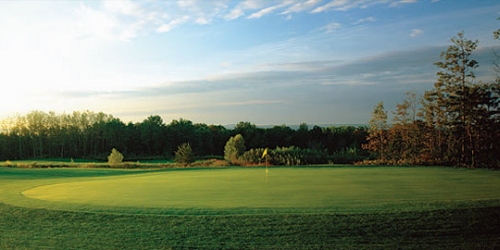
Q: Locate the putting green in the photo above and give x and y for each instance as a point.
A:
(304, 189)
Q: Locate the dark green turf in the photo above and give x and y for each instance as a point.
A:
(472, 228)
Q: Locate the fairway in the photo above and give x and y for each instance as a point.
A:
(342, 207)
(306, 189)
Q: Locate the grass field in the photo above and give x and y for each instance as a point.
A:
(239, 208)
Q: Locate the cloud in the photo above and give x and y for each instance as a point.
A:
(95, 24)
(416, 32)
(239, 10)
(269, 10)
(344, 5)
(203, 12)
(331, 5)
(234, 14)
(301, 6)
(368, 19)
(331, 27)
(347, 89)
(172, 24)
(124, 7)
(263, 12)
(251, 102)
(397, 3)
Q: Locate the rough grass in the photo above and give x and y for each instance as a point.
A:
(472, 228)
(468, 221)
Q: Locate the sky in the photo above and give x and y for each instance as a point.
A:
(226, 61)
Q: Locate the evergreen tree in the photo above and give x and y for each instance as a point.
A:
(451, 102)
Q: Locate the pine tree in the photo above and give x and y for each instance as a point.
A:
(449, 104)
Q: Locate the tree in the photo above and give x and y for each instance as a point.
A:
(406, 130)
(115, 157)
(377, 133)
(235, 147)
(253, 135)
(184, 154)
(451, 96)
(152, 132)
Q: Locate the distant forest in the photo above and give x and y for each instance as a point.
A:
(92, 135)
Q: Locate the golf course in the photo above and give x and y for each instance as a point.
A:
(313, 207)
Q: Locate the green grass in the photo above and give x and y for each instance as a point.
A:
(236, 208)
(282, 190)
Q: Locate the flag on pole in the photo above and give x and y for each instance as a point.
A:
(264, 153)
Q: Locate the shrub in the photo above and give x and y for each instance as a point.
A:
(252, 156)
(349, 156)
(184, 154)
(290, 156)
(115, 157)
(211, 163)
(235, 147)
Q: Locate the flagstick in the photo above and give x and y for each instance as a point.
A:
(264, 155)
(267, 171)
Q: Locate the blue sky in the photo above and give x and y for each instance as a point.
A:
(222, 61)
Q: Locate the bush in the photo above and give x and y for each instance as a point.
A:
(115, 157)
(184, 154)
(290, 156)
(349, 156)
(235, 147)
(217, 163)
(252, 156)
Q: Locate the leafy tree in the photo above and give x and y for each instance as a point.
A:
(377, 137)
(115, 157)
(278, 136)
(253, 135)
(235, 147)
(301, 136)
(184, 154)
(152, 129)
(406, 143)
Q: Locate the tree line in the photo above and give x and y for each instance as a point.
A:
(92, 135)
(456, 123)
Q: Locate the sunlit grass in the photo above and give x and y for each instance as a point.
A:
(464, 215)
(237, 190)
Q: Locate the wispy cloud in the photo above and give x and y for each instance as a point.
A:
(203, 11)
(331, 27)
(301, 6)
(399, 2)
(416, 32)
(240, 9)
(125, 20)
(267, 10)
(367, 19)
(172, 24)
(344, 5)
(234, 14)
